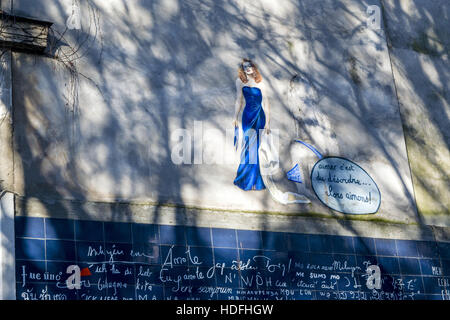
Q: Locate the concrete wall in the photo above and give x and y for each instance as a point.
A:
(420, 41)
(7, 209)
(6, 149)
(7, 247)
(93, 121)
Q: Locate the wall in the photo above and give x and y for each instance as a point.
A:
(7, 247)
(419, 39)
(119, 261)
(99, 128)
(94, 118)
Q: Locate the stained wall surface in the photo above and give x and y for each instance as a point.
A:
(420, 40)
(92, 131)
(100, 120)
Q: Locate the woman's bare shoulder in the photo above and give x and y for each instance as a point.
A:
(262, 85)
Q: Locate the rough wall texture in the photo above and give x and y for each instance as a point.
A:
(95, 120)
(6, 154)
(420, 39)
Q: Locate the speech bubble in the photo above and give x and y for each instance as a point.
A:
(344, 186)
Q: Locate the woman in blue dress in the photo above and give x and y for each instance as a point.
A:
(255, 121)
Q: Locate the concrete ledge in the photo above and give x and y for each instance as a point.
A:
(177, 215)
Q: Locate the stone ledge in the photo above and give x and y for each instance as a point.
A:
(170, 214)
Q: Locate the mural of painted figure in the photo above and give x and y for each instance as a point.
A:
(255, 121)
(258, 168)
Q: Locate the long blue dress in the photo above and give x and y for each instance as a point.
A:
(248, 176)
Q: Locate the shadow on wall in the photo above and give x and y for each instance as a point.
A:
(141, 104)
(419, 38)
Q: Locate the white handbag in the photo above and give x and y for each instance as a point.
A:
(268, 165)
(268, 155)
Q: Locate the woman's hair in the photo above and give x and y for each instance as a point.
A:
(243, 76)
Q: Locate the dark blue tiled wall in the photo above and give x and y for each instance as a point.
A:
(140, 261)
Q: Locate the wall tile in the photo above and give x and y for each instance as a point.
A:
(59, 229)
(89, 230)
(30, 249)
(224, 238)
(172, 235)
(29, 227)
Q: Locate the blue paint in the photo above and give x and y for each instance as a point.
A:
(364, 246)
(248, 176)
(366, 259)
(294, 174)
(409, 266)
(310, 147)
(236, 136)
(407, 248)
(389, 265)
(249, 239)
(320, 243)
(117, 251)
(274, 241)
(59, 229)
(445, 266)
(145, 233)
(90, 252)
(117, 232)
(146, 253)
(298, 242)
(29, 227)
(224, 238)
(386, 247)
(225, 255)
(172, 235)
(89, 230)
(342, 244)
(143, 261)
(432, 285)
(30, 249)
(60, 250)
(428, 266)
(427, 249)
(444, 250)
(198, 236)
(200, 256)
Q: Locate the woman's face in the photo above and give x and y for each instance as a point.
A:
(248, 68)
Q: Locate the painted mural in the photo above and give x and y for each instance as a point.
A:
(259, 158)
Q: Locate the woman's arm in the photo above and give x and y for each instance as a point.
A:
(239, 100)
